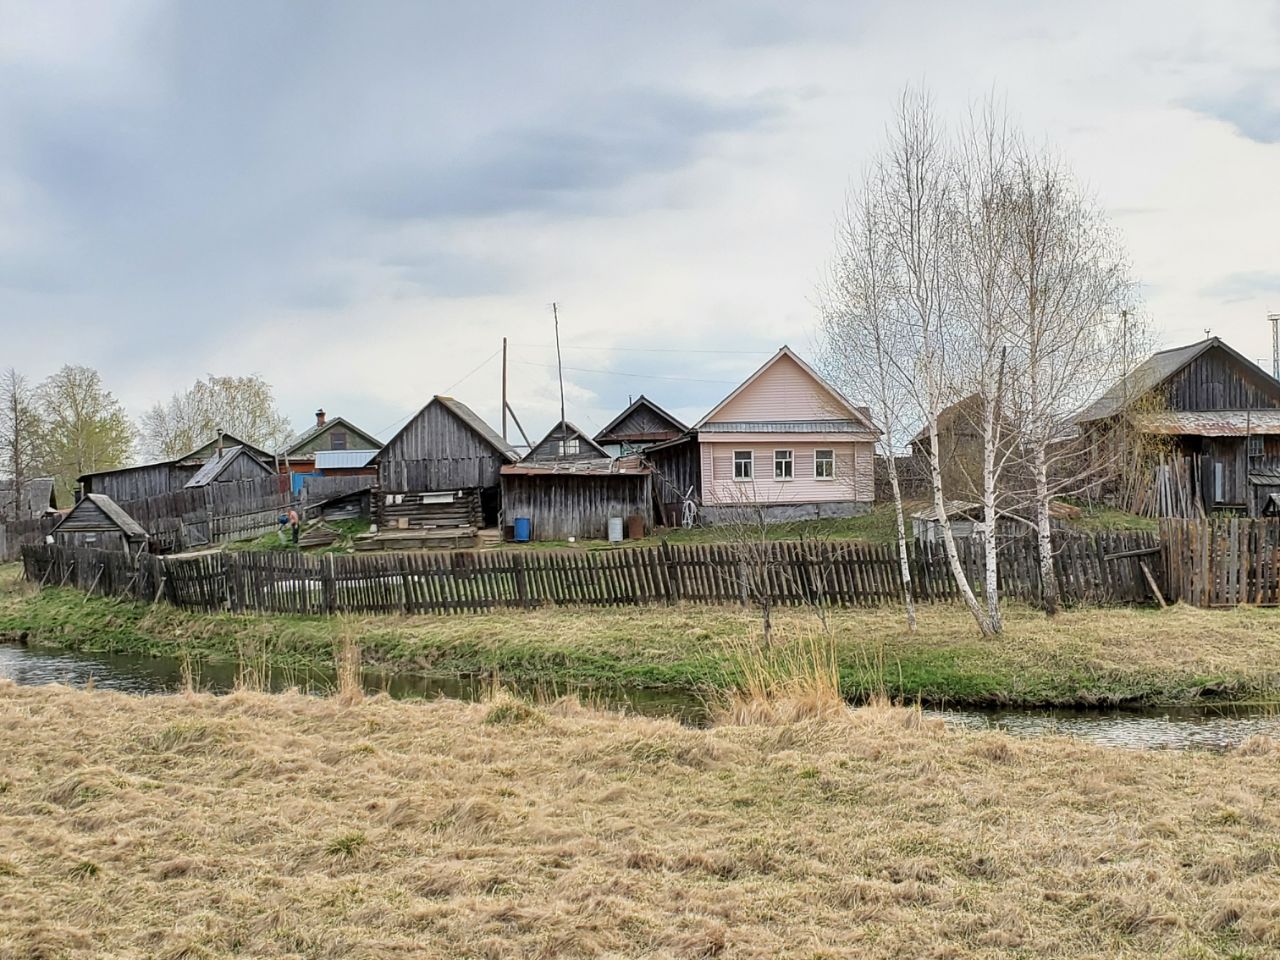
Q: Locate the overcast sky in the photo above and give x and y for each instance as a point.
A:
(358, 200)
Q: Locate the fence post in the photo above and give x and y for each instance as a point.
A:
(328, 584)
(522, 581)
(672, 579)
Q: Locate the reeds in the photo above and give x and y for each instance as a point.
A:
(782, 679)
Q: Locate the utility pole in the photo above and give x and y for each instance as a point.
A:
(504, 388)
(1275, 344)
(564, 430)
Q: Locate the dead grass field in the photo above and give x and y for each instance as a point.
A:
(286, 826)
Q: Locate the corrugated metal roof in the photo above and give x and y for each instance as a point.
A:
(1210, 423)
(343, 459)
(213, 469)
(786, 426)
(1263, 478)
(631, 466)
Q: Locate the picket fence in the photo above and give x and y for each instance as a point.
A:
(1103, 569)
(1223, 562)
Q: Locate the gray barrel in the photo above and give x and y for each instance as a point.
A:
(615, 529)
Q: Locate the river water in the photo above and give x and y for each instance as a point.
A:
(1179, 728)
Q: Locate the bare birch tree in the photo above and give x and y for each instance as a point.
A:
(1073, 329)
(917, 178)
(20, 437)
(862, 340)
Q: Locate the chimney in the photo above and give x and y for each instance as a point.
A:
(320, 417)
(218, 456)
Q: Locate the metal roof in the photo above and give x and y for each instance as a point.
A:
(1210, 423)
(631, 466)
(343, 459)
(787, 426)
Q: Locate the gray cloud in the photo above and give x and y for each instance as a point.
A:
(1237, 287)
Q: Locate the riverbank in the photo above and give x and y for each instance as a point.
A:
(1085, 657)
(272, 826)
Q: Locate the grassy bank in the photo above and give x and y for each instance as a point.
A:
(252, 825)
(1084, 657)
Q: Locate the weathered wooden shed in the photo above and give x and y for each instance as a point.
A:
(98, 521)
(577, 498)
(166, 476)
(232, 463)
(32, 498)
(677, 476)
(641, 425)
(564, 441)
(444, 449)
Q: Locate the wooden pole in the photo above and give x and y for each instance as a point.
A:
(564, 430)
(504, 388)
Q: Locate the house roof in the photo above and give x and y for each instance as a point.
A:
(640, 401)
(36, 500)
(330, 423)
(841, 400)
(630, 466)
(1158, 368)
(954, 508)
(343, 459)
(782, 426)
(468, 417)
(228, 442)
(566, 429)
(215, 467)
(115, 513)
(1209, 423)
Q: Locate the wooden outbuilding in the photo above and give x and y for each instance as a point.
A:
(98, 521)
(166, 476)
(639, 427)
(564, 441)
(231, 463)
(440, 473)
(31, 499)
(578, 498)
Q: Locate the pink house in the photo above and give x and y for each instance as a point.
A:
(787, 442)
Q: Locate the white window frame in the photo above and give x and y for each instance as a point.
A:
(570, 447)
(789, 460)
(830, 458)
(750, 465)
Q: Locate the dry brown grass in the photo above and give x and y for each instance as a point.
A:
(287, 826)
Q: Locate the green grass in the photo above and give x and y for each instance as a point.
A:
(1084, 657)
(270, 542)
(1099, 519)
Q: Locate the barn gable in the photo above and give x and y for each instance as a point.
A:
(445, 446)
(564, 441)
(642, 422)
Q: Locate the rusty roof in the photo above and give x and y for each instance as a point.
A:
(630, 466)
(1210, 423)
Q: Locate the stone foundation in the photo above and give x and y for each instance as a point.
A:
(711, 514)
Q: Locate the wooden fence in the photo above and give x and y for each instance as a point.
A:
(1097, 570)
(16, 534)
(1221, 563)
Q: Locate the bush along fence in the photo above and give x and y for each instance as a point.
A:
(1103, 569)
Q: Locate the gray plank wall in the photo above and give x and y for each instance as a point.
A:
(549, 447)
(564, 506)
(437, 451)
(137, 483)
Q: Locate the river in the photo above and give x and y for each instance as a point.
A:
(1212, 728)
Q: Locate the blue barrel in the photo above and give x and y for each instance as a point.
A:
(522, 526)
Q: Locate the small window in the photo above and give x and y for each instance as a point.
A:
(338, 440)
(1257, 446)
(743, 464)
(570, 447)
(824, 464)
(782, 465)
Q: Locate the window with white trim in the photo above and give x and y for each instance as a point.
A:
(743, 464)
(782, 465)
(570, 447)
(824, 464)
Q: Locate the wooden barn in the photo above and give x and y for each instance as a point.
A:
(167, 476)
(564, 441)
(577, 498)
(229, 464)
(639, 427)
(32, 499)
(1209, 416)
(677, 477)
(440, 473)
(98, 521)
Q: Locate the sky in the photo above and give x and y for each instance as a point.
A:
(359, 201)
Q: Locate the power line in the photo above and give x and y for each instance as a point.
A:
(399, 420)
(615, 373)
(551, 346)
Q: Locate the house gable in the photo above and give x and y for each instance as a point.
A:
(643, 421)
(785, 389)
(548, 448)
(444, 446)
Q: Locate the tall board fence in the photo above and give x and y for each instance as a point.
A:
(1101, 569)
(1223, 562)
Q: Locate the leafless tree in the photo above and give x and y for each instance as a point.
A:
(862, 339)
(1074, 329)
(20, 437)
(242, 406)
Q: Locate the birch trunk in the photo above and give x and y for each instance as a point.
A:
(1044, 534)
(948, 539)
(908, 591)
(990, 560)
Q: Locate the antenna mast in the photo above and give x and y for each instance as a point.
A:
(1275, 344)
(564, 430)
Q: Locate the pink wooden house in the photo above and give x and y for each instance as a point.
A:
(787, 442)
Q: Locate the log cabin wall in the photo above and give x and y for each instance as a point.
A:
(568, 505)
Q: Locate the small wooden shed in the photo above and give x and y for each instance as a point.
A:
(234, 463)
(98, 521)
(577, 498)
